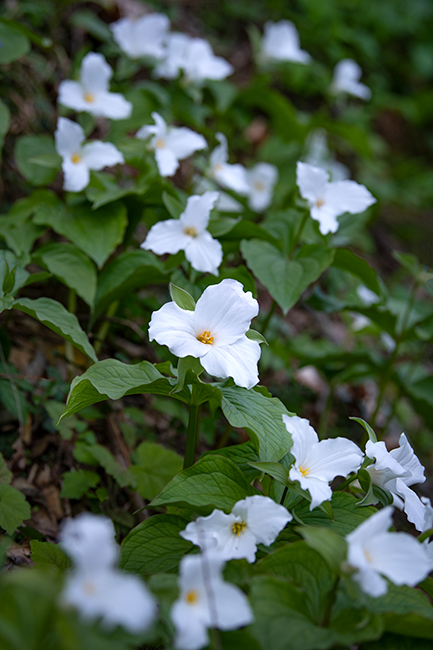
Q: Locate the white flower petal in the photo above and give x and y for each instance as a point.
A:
(232, 177)
(71, 95)
(183, 142)
(378, 523)
(399, 557)
(281, 43)
(89, 541)
(347, 196)
(238, 361)
(175, 56)
(333, 457)
(146, 131)
(191, 631)
(312, 181)
(111, 105)
(405, 456)
(166, 237)
(346, 79)
(220, 154)
(232, 607)
(174, 327)
(265, 518)
(303, 435)
(197, 211)
(212, 532)
(200, 63)
(166, 161)
(77, 175)
(261, 179)
(371, 582)
(413, 506)
(95, 73)
(317, 487)
(204, 253)
(326, 217)
(97, 155)
(69, 136)
(143, 37)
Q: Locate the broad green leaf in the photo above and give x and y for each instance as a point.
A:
(154, 546)
(332, 547)
(222, 225)
(28, 147)
(173, 205)
(276, 470)
(371, 434)
(347, 261)
(182, 298)
(5, 473)
(67, 427)
(214, 481)
(45, 554)
(253, 335)
(409, 262)
(406, 611)
(154, 468)
(243, 456)
(14, 43)
(188, 370)
(347, 516)
(396, 642)
(4, 122)
(49, 160)
(13, 508)
(52, 314)
(76, 484)
(13, 400)
(70, 265)
(364, 479)
(96, 232)
(89, 22)
(260, 416)
(99, 455)
(104, 189)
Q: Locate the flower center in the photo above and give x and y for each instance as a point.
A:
(191, 231)
(319, 203)
(305, 471)
(159, 144)
(238, 528)
(218, 168)
(367, 556)
(259, 186)
(191, 597)
(88, 97)
(76, 158)
(89, 588)
(205, 338)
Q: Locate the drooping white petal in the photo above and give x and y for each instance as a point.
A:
(348, 196)
(405, 456)
(191, 630)
(413, 506)
(184, 142)
(386, 466)
(174, 327)
(378, 523)
(265, 518)
(303, 435)
(238, 361)
(145, 36)
(71, 95)
(76, 175)
(220, 154)
(326, 217)
(232, 177)
(111, 105)
(89, 541)
(281, 43)
(333, 457)
(399, 557)
(261, 179)
(312, 181)
(95, 73)
(204, 253)
(166, 161)
(371, 582)
(166, 237)
(232, 607)
(69, 136)
(226, 311)
(146, 131)
(175, 56)
(97, 155)
(347, 74)
(200, 63)
(197, 211)
(317, 487)
(367, 296)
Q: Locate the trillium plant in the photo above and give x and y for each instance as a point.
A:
(347, 74)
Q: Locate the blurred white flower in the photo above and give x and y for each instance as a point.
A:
(395, 471)
(79, 159)
(206, 601)
(170, 143)
(428, 525)
(195, 58)
(319, 155)
(231, 177)
(143, 37)
(214, 332)
(225, 202)
(281, 43)
(318, 463)
(254, 520)
(188, 233)
(261, 179)
(374, 552)
(95, 587)
(328, 200)
(347, 74)
(91, 94)
(367, 296)
(174, 57)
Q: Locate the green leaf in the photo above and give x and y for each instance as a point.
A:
(96, 232)
(346, 514)
(182, 298)
(154, 546)
(89, 22)
(173, 205)
(70, 265)
(285, 279)
(261, 417)
(76, 484)
(45, 554)
(66, 428)
(99, 455)
(365, 481)
(31, 146)
(406, 611)
(347, 261)
(155, 467)
(13, 508)
(5, 473)
(409, 262)
(4, 122)
(14, 44)
(276, 470)
(220, 226)
(52, 314)
(371, 434)
(397, 642)
(49, 160)
(253, 335)
(332, 547)
(243, 455)
(214, 481)
(104, 189)
(188, 369)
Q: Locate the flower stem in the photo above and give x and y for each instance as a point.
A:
(101, 335)
(191, 437)
(215, 639)
(331, 601)
(299, 233)
(72, 305)
(268, 317)
(425, 535)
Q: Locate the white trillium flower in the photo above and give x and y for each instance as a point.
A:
(396, 471)
(143, 37)
(214, 332)
(328, 200)
(261, 179)
(200, 63)
(95, 587)
(174, 58)
(254, 520)
(318, 463)
(319, 155)
(367, 296)
(231, 177)
(225, 202)
(91, 94)
(375, 552)
(79, 159)
(188, 233)
(170, 144)
(347, 74)
(428, 524)
(206, 601)
(281, 43)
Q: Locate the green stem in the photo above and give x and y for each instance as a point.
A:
(299, 233)
(283, 498)
(101, 335)
(331, 601)
(72, 306)
(425, 535)
(347, 482)
(191, 437)
(268, 317)
(215, 639)
(326, 414)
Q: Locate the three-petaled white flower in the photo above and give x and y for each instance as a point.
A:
(214, 332)
(231, 177)
(170, 144)
(281, 43)
(78, 160)
(254, 520)
(143, 37)
(318, 463)
(395, 471)
(188, 233)
(95, 587)
(91, 94)
(206, 601)
(347, 74)
(375, 552)
(319, 155)
(261, 179)
(328, 200)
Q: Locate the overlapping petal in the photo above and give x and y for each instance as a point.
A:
(76, 175)
(174, 327)
(97, 155)
(204, 253)
(184, 142)
(238, 361)
(166, 237)
(261, 179)
(281, 43)
(69, 136)
(145, 36)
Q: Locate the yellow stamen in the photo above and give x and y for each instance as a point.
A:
(205, 338)
(259, 186)
(88, 97)
(191, 597)
(238, 528)
(159, 143)
(192, 232)
(89, 588)
(367, 556)
(218, 168)
(305, 471)
(76, 158)
(319, 203)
